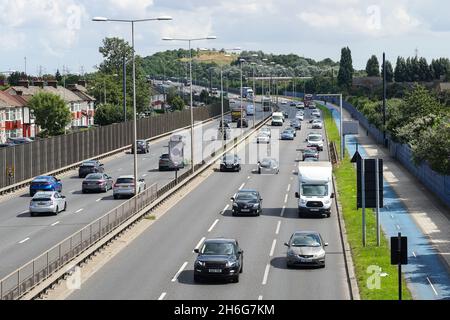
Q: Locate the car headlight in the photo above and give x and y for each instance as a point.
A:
(256, 205)
(201, 263)
(327, 202)
(231, 264)
(290, 253)
(303, 201)
(320, 255)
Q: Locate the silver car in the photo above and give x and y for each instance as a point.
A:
(266, 130)
(305, 248)
(317, 124)
(263, 138)
(124, 186)
(47, 202)
(268, 166)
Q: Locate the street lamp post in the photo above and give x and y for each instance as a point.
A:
(189, 40)
(241, 61)
(103, 19)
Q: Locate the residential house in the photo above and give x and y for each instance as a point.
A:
(14, 117)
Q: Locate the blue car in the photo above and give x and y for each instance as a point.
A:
(45, 183)
(287, 135)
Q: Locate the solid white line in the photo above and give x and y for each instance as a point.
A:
(266, 274)
(285, 198)
(432, 287)
(282, 211)
(414, 254)
(260, 297)
(226, 208)
(273, 247)
(213, 225)
(55, 223)
(98, 200)
(24, 240)
(179, 271)
(161, 297)
(199, 243)
(242, 185)
(144, 175)
(79, 210)
(288, 188)
(278, 227)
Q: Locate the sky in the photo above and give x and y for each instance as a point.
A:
(53, 34)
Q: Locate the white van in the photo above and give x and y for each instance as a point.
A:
(315, 188)
(250, 109)
(277, 119)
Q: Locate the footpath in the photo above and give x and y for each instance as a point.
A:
(415, 212)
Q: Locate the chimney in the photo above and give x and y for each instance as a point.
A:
(52, 83)
(38, 83)
(82, 83)
(24, 83)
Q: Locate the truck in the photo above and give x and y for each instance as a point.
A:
(315, 188)
(236, 113)
(266, 102)
(308, 100)
(277, 119)
(250, 109)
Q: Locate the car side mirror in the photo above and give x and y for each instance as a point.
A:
(297, 195)
(232, 198)
(63, 197)
(326, 244)
(286, 244)
(240, 251)
(101, 164)
(332, 196)
(141, 180)
(196, 250)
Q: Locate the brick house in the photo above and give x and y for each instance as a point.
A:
(15, 119)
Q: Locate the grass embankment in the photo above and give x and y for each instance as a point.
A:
(211, 56)
(371, 255)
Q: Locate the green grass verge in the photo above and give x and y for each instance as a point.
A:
(371, 255)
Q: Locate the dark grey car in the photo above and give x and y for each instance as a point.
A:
(91, 166)
(305, 248)
(247, 201)
(97, 182)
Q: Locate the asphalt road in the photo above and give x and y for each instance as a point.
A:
(159, 263)
(23, 237)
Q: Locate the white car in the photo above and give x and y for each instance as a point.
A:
(300, 105)
(315, 140)
(124, 186)
(268, 166)
(299, 116)
(284, 102)
(317, 124)
(267, 131)
(262, 138)
(47, 202)
(315, 113)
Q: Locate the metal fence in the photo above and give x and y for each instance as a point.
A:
(23, 162)
(37, 270)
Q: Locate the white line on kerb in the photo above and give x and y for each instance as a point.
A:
(273, 247)
(199, 243)
(161, 297)
(179, 271)
(260, 297)
(242, 185)
(288, 188)
(266, 274)
(432, 287)
(24, 240)
(278, 227)
(79, 210)
(282, 211)
(55, 223)
(213, 225)
(285, 198)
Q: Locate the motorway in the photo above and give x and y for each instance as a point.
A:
(23, 237)
(158, 264)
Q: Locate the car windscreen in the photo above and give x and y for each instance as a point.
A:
(88, 164)
(246, 196)
(94, 176)
(228, 158)
(125, 180)
(305, 240)
(314, 138)
(277, 118)
(165, 156)
(216, 248)
(310, 190)
(266, 163)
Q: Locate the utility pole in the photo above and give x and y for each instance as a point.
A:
(124, 61)
(384, 99)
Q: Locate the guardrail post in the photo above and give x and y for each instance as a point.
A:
(32, 282)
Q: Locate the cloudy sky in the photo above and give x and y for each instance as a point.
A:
(53, 33)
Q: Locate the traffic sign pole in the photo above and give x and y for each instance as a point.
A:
(377, 181)
(363, 202)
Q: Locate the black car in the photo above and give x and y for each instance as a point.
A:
(286, 114)
(19, 140)
(297, 125)
(230, 162)
(91, 166)
(142, 146)
(242, 123)
(165, 163)
(219, 259)
(247, 201)
(5, 145)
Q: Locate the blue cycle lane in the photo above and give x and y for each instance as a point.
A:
(426, 274)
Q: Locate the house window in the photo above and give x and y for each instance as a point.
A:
(10, 114)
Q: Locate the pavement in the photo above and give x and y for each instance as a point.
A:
(158, 264)
(415, 212)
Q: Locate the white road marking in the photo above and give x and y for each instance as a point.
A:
(282, 211)
(392, 216)
(288, 188)
(432, 287)
(161, 297)
(144, 175)
(72, 191)
(25, 212)
(24, 240)
(273, 247)
(225, 209)
(242, 185)
(213, 225)
(98, 200)
(293, 171)
(414, 254)
(266, 274)
(79, 210)
(199, 243)
(285, 198)
(398, 227)
(55, 223)
(248, 177)
(179, 271)
(278, 227)
(260, 297)
(292, 178)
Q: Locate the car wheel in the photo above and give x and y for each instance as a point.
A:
(65, 206)
(236, 279)
(57, 210)
(116, 196)
(288, 265)
(83, 191)
(32, 214)
(328, 214)
(323, 266)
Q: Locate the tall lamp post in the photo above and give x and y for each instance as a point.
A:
(133, 21)
(189, 40)
(241, 62)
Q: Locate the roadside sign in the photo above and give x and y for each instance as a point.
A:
(350, 127)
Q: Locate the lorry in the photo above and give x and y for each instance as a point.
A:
(266, 102)
(250, 109)
(315, 188)
(277, 119)
(237, 114)
(308, 100)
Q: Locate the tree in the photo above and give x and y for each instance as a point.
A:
(424, 70)
(51, 113)
(13, 79)
(345, 75)
(113, 51)
(106, 114)
(400, 73)
(440, 67)
(177, 103)
(373, 67)
(58, 76)
(389, 72)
